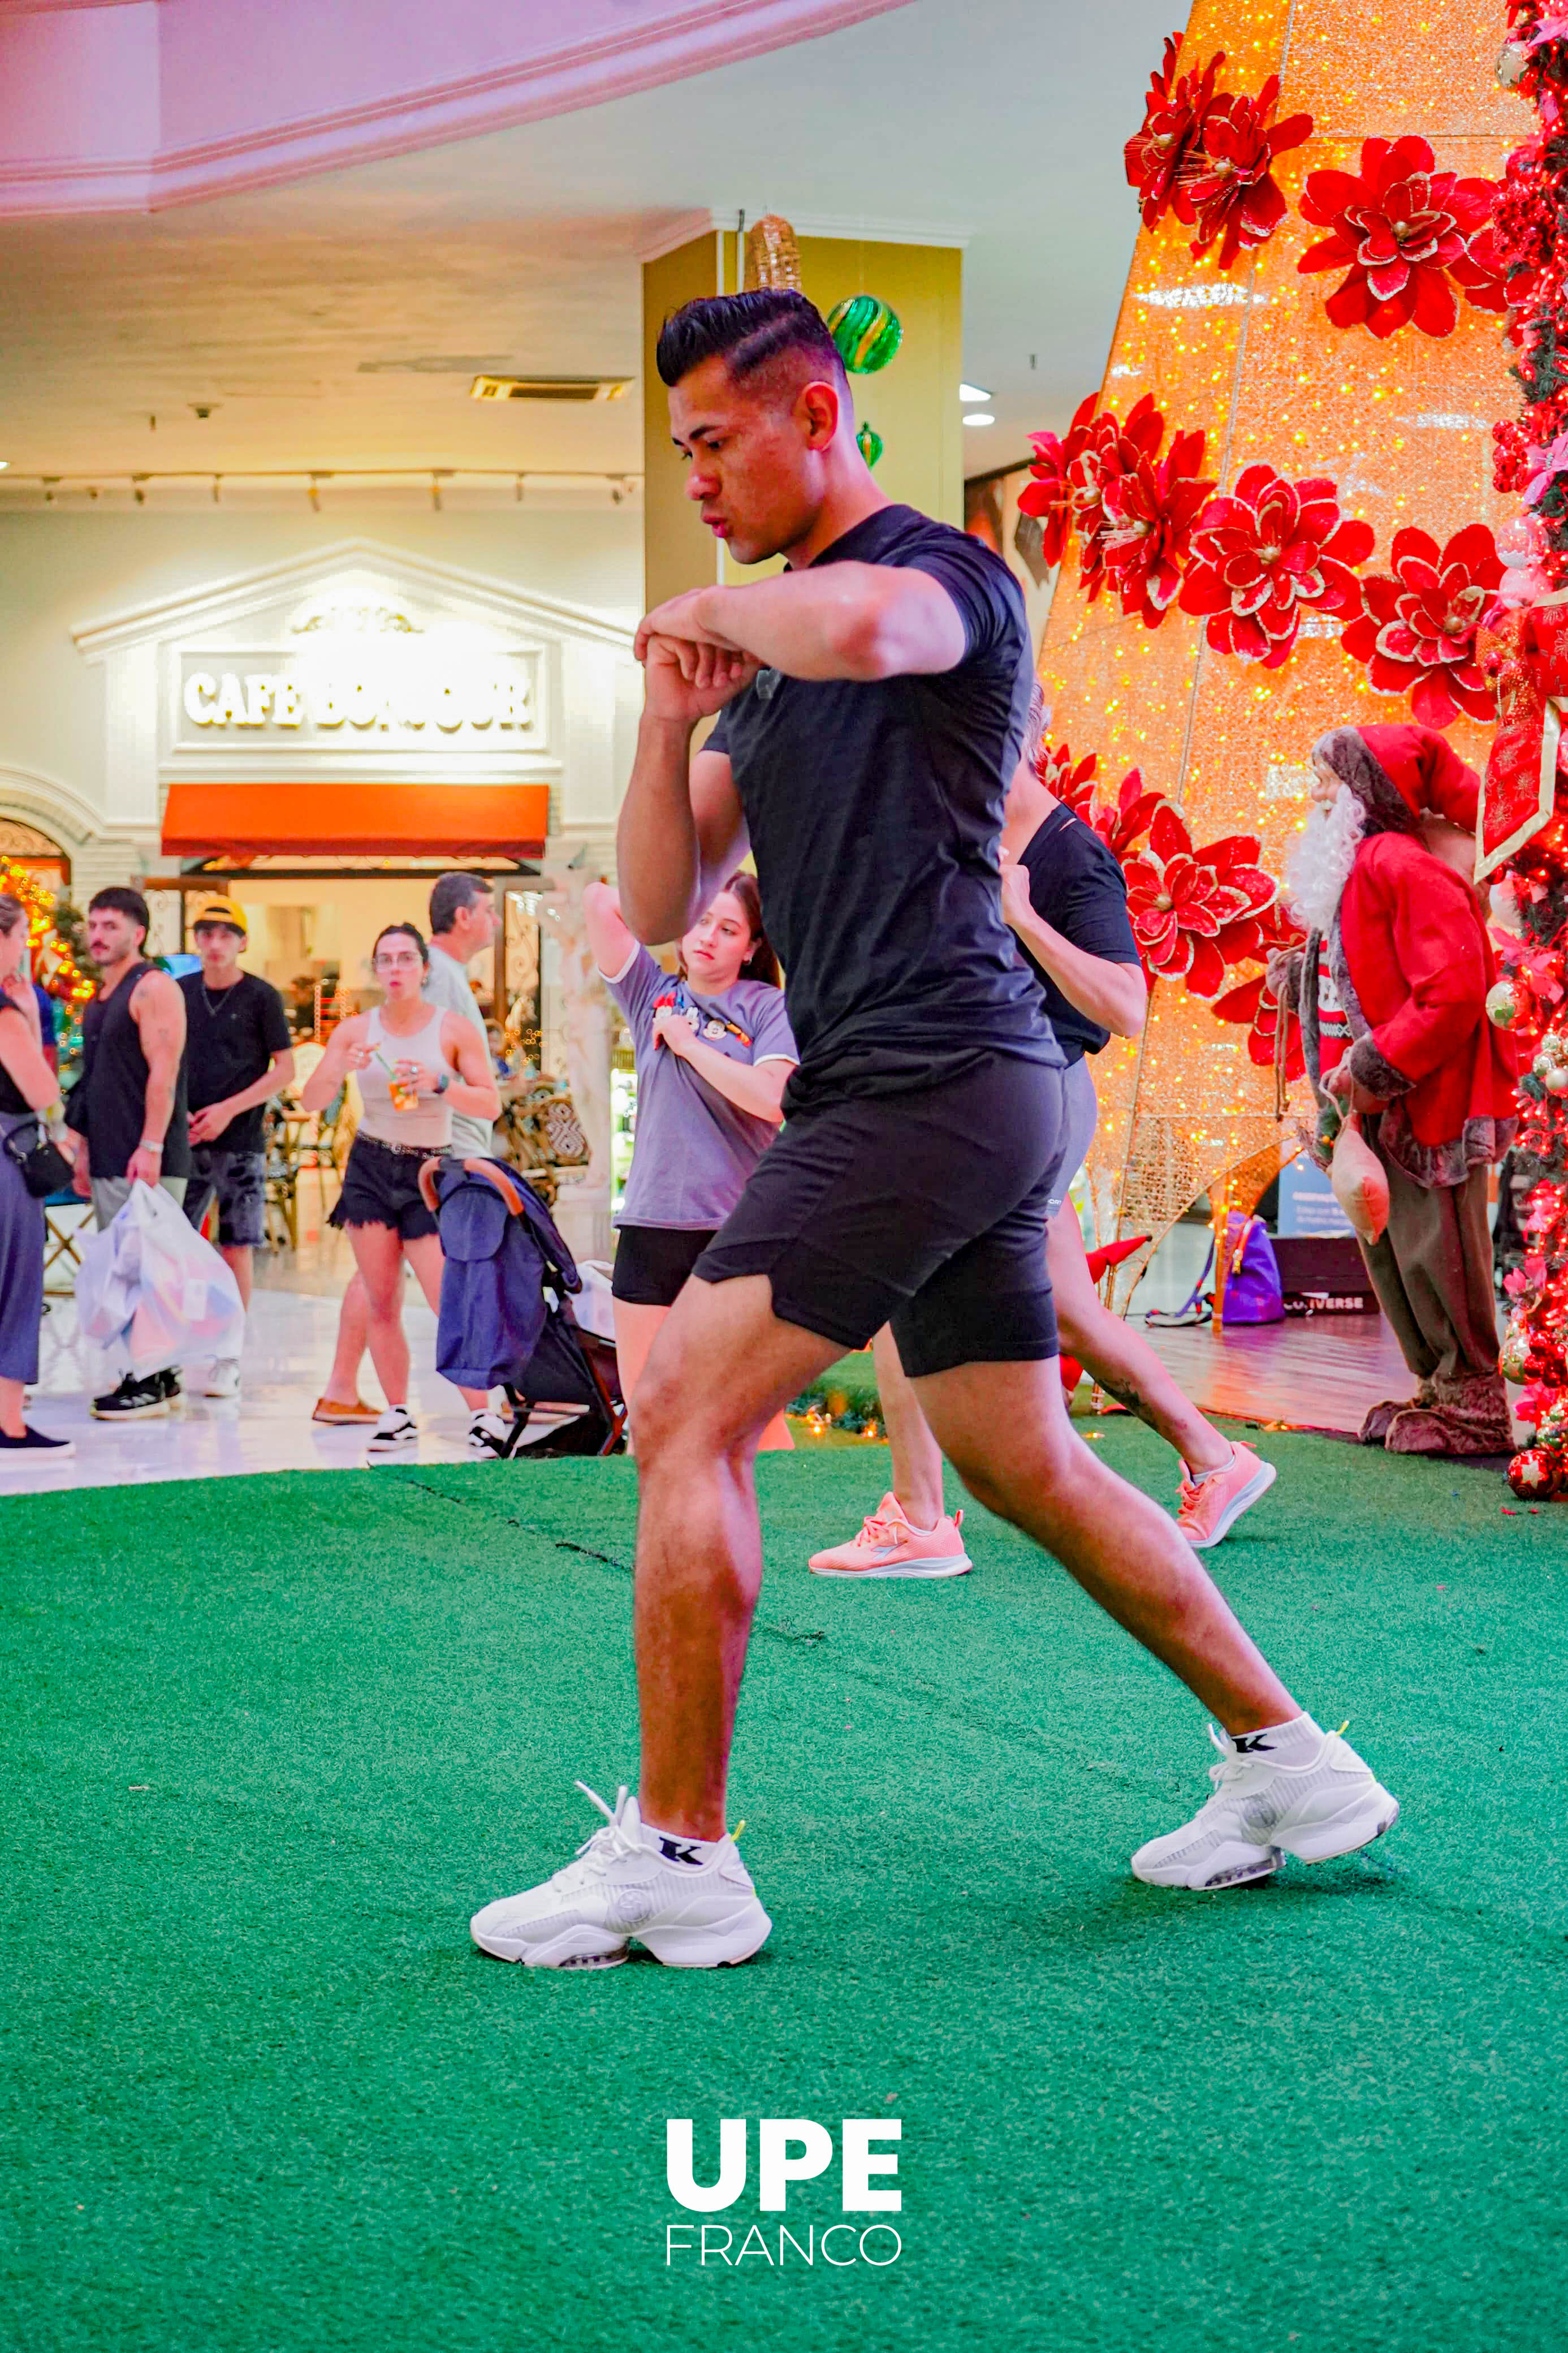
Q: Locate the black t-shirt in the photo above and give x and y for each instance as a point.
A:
(231, 1036)
(1076, 887)
(874, 811)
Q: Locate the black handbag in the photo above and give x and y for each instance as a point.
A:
(44, 1166)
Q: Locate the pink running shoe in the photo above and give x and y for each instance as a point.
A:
(888, 1546)
(1210, 1511)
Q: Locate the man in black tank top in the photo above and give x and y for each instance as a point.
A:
(129, 1102)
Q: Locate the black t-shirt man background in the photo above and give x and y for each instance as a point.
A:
(239, 1051)
(924, 1202)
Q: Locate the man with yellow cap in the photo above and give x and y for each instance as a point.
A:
(239, 1051)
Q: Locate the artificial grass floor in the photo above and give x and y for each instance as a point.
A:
(268, 1741)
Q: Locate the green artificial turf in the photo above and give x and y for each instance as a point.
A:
(267, 1742)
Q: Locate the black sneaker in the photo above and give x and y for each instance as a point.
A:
(35, 1443)
(133, 1399)
(168, 1382)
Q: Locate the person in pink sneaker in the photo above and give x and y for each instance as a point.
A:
(1064, 896)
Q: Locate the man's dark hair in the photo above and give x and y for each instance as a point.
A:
(124, 902)
(451, 893)
(748, 331)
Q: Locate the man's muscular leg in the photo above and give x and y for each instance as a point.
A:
(721, 1369)
(1005, 1429)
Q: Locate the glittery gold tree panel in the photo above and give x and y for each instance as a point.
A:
(1400, 425)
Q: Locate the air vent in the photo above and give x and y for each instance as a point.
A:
(550, 387)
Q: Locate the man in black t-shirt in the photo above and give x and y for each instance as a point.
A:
(239, 1051)
(874, 698)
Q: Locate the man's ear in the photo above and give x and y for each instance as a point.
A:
(817, 410)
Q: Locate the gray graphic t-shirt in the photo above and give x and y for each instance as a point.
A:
(693, 1150)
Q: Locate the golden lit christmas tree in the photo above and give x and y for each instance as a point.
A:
(1225, 601)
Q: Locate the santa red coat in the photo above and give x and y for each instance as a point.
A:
(1419, 957)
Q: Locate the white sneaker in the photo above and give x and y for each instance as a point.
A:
(490, 1433)
(394, 1433)
(630, 1882)
(1261, 1811)
(223, 1377)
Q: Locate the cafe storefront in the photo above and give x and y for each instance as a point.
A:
(321, 738)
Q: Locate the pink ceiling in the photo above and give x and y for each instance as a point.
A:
(132, 105)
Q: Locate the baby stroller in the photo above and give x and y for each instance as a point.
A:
(505, 1317)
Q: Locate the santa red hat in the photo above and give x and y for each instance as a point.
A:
(1402, 773)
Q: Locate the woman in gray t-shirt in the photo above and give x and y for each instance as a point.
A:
(713, 1049)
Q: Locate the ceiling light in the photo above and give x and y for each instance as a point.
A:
(979, 416)
(4, 463)
(973, 391)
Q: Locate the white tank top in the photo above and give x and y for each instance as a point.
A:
(431, 1125)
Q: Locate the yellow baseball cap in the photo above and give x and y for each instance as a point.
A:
(218, 910)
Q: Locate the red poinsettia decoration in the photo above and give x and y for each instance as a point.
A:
(1250, 1002)
(1264, 555)
(1226, 189)
(1173, 115)
(1417, 635)
(1406, 236)
(1195, 911)
(1047, 494)
(1108, 451)
(1149, 508)
(1127, 818)
(1073, 786)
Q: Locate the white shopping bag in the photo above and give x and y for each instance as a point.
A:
(152, 1293)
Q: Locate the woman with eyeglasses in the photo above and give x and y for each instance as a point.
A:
(416, 1065)
(713, 1049)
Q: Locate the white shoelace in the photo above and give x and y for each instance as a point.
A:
(603, 1847)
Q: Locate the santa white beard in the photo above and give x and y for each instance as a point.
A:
(1319, 866)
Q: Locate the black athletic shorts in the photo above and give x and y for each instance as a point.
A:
(381, 1187)
(654, 1263)
(924, 1211)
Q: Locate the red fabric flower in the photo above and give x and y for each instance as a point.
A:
(1192, 909)
(1405, 236)
(1227, 189)
(1263, 554)
(1250, 1002)
(1149, 510)
(1174, 114)
(1127, 818)
(1073, 786)
(1108, 451)
(1417, 635)
(1046, 495)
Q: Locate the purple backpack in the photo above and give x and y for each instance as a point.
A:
(1252, 1287)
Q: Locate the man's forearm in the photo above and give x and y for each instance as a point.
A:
(658, 853)
(270, 1082)
(159, 1106)
(1102, 989)
(858, 621)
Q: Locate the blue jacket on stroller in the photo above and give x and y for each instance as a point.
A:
(505, 1319)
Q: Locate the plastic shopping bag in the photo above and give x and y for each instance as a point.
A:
(158, 1294)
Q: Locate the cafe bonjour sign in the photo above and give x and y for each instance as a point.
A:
(364, 670)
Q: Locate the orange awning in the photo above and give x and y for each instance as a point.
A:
(356, 820)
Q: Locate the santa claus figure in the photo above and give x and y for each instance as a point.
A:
(1391, 989)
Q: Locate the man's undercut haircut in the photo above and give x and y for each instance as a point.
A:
(122, 901)
(765, 337)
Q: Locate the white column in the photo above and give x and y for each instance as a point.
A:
(583, 1207)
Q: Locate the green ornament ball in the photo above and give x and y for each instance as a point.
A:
(1502, 1004)
(868, 441)
(1513, 1357)
(867, 332)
